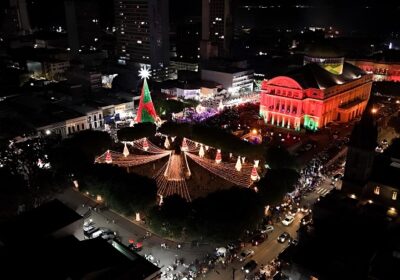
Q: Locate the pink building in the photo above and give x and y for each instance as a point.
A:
(312, 96)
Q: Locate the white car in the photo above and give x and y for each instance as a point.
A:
(288, 220)
(267, 229)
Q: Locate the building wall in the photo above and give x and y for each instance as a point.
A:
(380, 71)
(285, 103)
(142, 31)
(233, 82)
(217, 28)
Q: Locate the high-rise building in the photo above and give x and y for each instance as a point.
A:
(142, 32)
(217, 28)
(15, 19)
(83, 25)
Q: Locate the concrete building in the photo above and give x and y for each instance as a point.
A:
(55, 69)
(90, 80)
(381, 70)
(181, 64)
(83, 26)
(53, 252)
(217, 28)
(234, 80)
(312, 97)
(371, 177)
(68, 115)
(142, 32)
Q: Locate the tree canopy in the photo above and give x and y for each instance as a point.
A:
(76, 154)
(125, 192)
(214, 137)
(276, 184)
(138, 131)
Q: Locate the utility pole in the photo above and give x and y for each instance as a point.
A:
(233, 273)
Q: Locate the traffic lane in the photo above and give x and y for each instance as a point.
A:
(263, 253)
(270, 249)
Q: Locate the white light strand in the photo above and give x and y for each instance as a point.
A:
(226, 171)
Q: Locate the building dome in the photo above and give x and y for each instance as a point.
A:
(325, 55)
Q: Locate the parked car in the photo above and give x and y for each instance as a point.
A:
(258, 239)
(337, 177)
(283, 237)
(88, 233)
(305, 209)
(288, 220)
(267, 229)
(306, 220)
(293, 241)
(245, 254)
(250, 266)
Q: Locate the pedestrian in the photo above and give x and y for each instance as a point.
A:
(113, 221)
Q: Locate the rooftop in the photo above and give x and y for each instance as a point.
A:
(38, 223)
(314, 76)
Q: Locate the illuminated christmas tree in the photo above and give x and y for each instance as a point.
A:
(146, 111)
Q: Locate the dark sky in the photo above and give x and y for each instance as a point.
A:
(377, 15)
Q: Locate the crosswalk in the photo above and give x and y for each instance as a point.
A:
(322, 191)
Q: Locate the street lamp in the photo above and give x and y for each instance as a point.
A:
(374, 110)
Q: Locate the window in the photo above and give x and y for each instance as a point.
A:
(377, 190)
(394, 195)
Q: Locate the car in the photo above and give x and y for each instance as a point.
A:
(283, 237)
(136, 246)
(305, 209)
(250, 266)
(97, 233)
(337, 177)
(293, 241)
(288, 220)
(245, 254)
(108, 234)
(234, 245)
(258, 239)
(88, 233)
(379, 149)
(294, 210)
(306, 220)
(267, 229)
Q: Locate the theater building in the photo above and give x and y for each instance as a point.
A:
(313, 95)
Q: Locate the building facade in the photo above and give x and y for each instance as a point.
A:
(381, 71)
(142, 32)
(311, 97)
(235, 81)
(217, 28)
(83, 25)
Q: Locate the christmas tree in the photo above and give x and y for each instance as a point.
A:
(146, 111)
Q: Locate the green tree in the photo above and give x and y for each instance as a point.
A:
(276, 184)
(138, 131)
(226, 214)
(76, 154)
(277, 157)
(125, 192)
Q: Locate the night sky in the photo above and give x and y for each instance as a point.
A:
(354, 15)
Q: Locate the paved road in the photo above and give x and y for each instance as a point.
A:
(128, 229)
